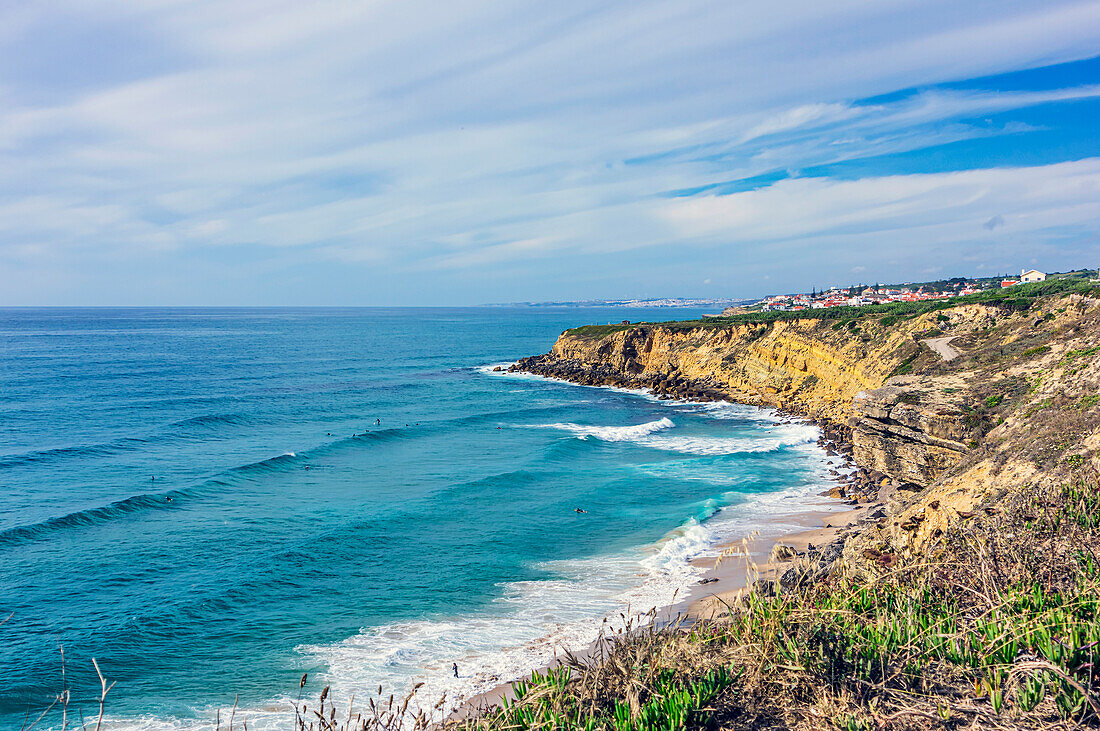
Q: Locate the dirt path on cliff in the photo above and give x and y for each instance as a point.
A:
(942, 346)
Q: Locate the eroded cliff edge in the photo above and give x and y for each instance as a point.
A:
(1015, 404)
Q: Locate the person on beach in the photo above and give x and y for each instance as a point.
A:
(455, 666)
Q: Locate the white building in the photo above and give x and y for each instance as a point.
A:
(1031, 276)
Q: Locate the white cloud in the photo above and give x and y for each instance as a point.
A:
(946, 206)
(418, 136)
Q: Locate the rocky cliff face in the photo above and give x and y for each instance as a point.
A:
(909, 430)
(811, 367)
(952, 429)
(1017, 403)
(801, 365)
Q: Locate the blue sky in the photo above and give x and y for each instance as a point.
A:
(404, 153)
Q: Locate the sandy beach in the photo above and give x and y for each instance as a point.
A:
(724, 580)
(745, 562)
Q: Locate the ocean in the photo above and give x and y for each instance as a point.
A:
(212, 502)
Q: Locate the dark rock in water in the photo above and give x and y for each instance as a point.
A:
(497, 369)
(708, 580)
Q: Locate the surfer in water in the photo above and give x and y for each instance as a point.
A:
(578, 510)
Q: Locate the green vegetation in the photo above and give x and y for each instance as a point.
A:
(1085, 274)
(1075, 360)
(1002, 630)
(1018, 298)
(1044, 404)
(906, 365)
(671, 703)
(995, 625)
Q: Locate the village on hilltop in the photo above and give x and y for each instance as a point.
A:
(874, 295)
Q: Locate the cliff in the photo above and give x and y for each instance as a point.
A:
(941, 410)
(827, 370)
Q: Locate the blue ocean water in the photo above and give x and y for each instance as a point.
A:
(213, 502)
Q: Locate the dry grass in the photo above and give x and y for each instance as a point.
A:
(997, 626)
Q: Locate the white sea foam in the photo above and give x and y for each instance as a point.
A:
(532, 621)
(787, 436)
(489, 369)
(613, 433)
(646, 435)
(731, 410)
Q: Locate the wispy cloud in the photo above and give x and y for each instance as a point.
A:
(386, 143)
(937, 207)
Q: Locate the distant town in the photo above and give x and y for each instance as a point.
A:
(850, 296)
(880, 294)
(638, 303)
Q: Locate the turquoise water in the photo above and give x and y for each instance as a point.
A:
(204, 501)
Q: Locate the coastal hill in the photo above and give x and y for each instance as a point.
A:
(967, 591)
(961, 590)
(950, 401)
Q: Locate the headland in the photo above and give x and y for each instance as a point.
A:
(974, 427)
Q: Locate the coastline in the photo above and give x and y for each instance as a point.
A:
(732, 567)
(726, 579)
(734, 575)
(946, 453)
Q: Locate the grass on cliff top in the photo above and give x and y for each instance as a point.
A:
(1019, 297)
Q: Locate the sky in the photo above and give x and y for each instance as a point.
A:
(336, 152)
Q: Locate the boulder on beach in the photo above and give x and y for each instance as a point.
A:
(783, 552)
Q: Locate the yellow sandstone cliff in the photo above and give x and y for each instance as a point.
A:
(1017, 403)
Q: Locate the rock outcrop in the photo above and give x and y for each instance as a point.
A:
(810, 367)
(909, 430)
(934, 439)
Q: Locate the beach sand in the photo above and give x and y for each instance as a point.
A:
(742, 562)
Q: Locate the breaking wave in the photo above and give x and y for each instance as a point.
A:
(652, 436)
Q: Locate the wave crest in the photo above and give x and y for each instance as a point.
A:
(613, 433)
(649, 435)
